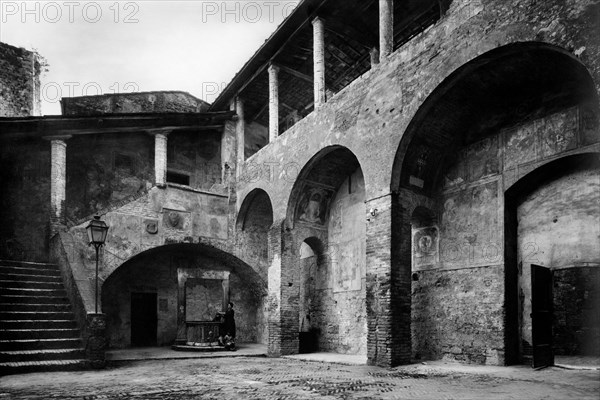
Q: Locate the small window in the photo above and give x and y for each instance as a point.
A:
(177, 177)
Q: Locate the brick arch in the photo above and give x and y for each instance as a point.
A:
(507, 86)
(254, 220)
(327, 166)
(497, 69)
(257, 198)
(246, 272)
(115, 257)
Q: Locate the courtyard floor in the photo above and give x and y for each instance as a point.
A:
(252, 377)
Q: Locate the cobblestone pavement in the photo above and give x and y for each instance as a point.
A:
(263, 378)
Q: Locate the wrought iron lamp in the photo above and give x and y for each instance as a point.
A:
(97, 231)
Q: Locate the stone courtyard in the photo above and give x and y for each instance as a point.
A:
(286, 378)
(414, 184)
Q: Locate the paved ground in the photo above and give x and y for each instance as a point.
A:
(285, 378)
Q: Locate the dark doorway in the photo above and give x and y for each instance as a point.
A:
(143, 319)
(541, 316)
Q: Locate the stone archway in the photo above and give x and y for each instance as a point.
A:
(326, 206)
(551, 221)
(164, 271)
(484, 127)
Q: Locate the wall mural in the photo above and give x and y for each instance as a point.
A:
(425, 246)
(312, 207)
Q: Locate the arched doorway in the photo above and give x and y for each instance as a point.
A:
(553, 230)
(255, 218)
(484, 127)
(149, 297)
(327, 221)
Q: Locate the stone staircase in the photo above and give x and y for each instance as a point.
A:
(38, 331)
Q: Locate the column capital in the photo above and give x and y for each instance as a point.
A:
(273, 68)
(317, 20)
(57, 137)
(159, 131)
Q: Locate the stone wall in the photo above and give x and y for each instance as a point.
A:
(106, 170)
(370, 118)
(123, 103)
(196, 155)
(577, 311)
(371, 114)
(458, 315)
(342, 297)
(20, 71)
(25, 200)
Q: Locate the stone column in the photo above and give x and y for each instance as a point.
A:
(58, 181)
(386, 27)
(319, 61)
(273, 102)
(160, 156)
(388, 283)
(240, 131)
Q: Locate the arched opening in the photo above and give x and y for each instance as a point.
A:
(252, 227)
(314, 275)
(150, 297)
(553, 227)
(252, 244)
(327, 217)
(484, 127)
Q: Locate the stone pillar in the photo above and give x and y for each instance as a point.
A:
(386, 27)
(95, 347)
(273, 102)
(283, 293)
(58, 181)
(160, 156)
(290, 294)
(240, 131)
(388, 283)
(319, 61)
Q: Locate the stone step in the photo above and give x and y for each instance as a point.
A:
(24, 271)
(36, 315)
(39, 344)
(29, 284)
(28, 264)
(33, 307)
(38, 278)
(38, 366)
(61, 292)
(23, 334)
(42, 355)
(39, 324)
(24, 299)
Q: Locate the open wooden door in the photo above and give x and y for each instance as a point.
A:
(541, 316)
